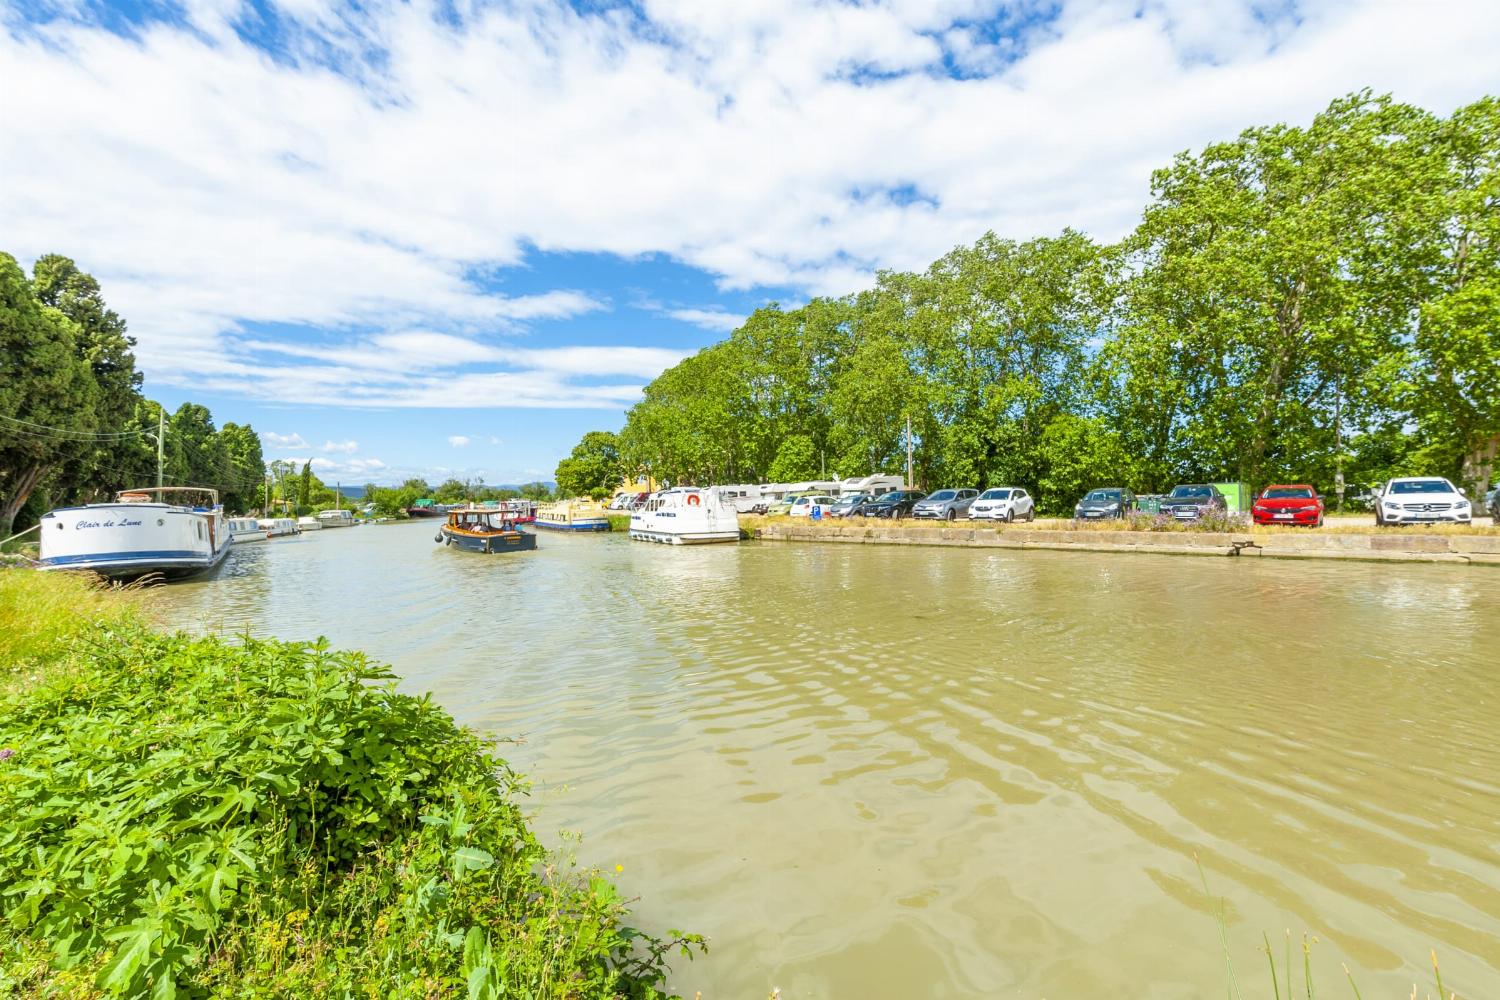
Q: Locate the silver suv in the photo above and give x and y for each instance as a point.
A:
(945, 505)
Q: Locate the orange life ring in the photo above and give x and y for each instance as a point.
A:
(694, 500)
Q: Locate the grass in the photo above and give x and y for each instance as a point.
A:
(619, 522)
(199, 817)
(42, 614)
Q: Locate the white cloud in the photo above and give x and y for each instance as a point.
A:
(458, 441)
(348, 468)
(709, 319)
(778, 143)
(343, 447)
(283, 441)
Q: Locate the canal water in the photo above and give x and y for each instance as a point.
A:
(909, 772)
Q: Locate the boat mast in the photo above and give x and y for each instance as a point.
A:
(161, 428)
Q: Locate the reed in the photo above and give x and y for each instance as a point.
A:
(1309, 980)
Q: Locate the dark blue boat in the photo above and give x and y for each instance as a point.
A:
(484, 529)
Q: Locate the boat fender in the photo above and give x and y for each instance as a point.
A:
(438, 537)
(693, 500)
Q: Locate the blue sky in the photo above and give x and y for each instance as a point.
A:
(449, 238)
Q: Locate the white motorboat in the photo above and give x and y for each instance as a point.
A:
(246, 529)
(140, 533)
(309, 524)
(276, 527)
(685, 516)
(336, 518)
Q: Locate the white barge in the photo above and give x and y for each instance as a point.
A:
(685, 516)
(139, 534)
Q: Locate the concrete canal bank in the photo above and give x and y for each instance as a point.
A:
(1392, 545)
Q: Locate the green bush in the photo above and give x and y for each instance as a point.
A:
(188, 816)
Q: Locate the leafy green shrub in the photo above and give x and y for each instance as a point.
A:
(268, 818)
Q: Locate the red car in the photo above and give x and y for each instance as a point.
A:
(1288, 505)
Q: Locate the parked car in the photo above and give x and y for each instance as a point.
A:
(847, 504)
(944, 505)
(895, 504)
(1191, 501)
(802, 506)
(1003, 503)
(1492, 501)
(1298, 504)
(783, 507)
(1422, 500)
(1111, 501)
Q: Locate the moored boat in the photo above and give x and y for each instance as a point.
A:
(246, 529)
(141, 533)
(427, 508)
(336, 518)
(572, 515)
(309, 524)
(483, 529)
(685, 516)
(278, 526)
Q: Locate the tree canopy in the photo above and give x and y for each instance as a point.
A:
(74, 426)
(1313, 304)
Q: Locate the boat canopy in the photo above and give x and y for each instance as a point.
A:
(157, 494)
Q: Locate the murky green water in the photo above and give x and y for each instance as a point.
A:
(903, 772)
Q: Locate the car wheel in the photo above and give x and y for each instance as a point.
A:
(1031, 515)
(1010, 516)
(952, 515)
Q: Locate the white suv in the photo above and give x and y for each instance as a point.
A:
(1421, 500)
(1003, 503)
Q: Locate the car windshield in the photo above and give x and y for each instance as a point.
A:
(1423, 486)
(995, 495)
(943, 495)
(1103, 496)
(892, 497)
(1191, 492)
(847, 501)
(1288, 493)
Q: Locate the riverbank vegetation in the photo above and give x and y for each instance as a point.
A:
(190, 816)
(394, 500)
(74, 426)
(1297, 304)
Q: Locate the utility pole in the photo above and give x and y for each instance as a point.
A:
(908, 452)
(161, 430)
(1338, 443)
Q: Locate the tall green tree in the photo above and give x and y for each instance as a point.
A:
(593, 468)
(48, 397)
(1454, 390)
(1257, 321)
(102, 342)
(305, 487)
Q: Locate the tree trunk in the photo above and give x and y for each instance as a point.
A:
(19, 492)
(1479, 465)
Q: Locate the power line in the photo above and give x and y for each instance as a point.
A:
(67, 432)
